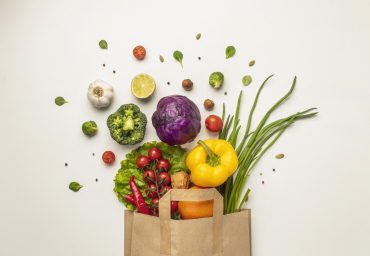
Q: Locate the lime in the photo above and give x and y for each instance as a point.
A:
(142, 86)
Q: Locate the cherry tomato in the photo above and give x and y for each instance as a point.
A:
(149, 175)
(154, 202)
(164, 190)
(142, 161)
(163, 164)
(214, 123)
(108, 157)
(154, 154)
(164, 178)
(139, 52)
(151, 190)
(174, 206)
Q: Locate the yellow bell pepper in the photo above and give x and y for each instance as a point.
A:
(212, 162)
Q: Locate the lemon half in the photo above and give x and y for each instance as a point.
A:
(142, 86)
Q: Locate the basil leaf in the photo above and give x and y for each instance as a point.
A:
(178, 56)
(60, 101)
(247, 80)
(230, 51)
(103, 44)
(75, 186)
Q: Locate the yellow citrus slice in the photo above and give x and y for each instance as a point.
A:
(142, 86)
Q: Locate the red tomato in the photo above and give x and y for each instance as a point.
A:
(108, 157)
(164, 190)
(163, 164)
(154, 154)
(139, 52)
(142, 161)
(174, 206)
(155, 202)
(151, 190)
(214, 123)
(164, 178)
(149, 175)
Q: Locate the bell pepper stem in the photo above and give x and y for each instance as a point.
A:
(213, 159)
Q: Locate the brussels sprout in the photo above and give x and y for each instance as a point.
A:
(216, 80)
(89, 128)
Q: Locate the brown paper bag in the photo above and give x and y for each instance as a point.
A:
(226, 235)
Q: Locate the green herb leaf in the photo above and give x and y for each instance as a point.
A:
(60, 101)
(198, 36)
(103, 44)
(75, 186)
(251, 63)
(230, 51)
(247, 80)
(178, 56)
(161, 59)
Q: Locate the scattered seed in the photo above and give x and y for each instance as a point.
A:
(261, 173)
(263, 182)
(93, 154)
(161, 59)
(225, 93)
(96, 179)
(66, 164)
(168, 83)
(199, 58)
(198, 36)
(251, 63)
(279, 156)
(114, 71)
(273, 169)
(103, 65)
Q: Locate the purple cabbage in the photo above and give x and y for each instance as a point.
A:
(176, 120)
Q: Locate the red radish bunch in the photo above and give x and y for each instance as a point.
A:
(158, 181)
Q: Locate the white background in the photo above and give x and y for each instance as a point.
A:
(316, 203)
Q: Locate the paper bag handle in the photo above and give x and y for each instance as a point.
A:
(193, 195)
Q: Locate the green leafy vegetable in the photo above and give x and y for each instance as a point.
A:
(247, 80)
(103, 44)
(198, 36)
(253, 145)
(230, 51)
(60, 101)
(178, 56)
(175, 154)
(75, 186)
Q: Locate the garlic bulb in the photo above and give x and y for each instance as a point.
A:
(100, 94)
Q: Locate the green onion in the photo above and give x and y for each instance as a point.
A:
(253, 144)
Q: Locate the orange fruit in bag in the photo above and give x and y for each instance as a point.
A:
(195, 210)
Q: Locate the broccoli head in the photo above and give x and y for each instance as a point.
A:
(127, 125)
(216, 79)
(89, 128)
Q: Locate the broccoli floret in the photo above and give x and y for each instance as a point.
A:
(127, 125)
(216, 79)
(89, 128)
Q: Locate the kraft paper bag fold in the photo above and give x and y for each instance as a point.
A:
(220, 235)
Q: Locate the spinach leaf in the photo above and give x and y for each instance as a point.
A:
(178, 56)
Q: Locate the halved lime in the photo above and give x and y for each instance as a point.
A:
(142, 86)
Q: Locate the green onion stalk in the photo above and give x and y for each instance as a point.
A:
(253, 145)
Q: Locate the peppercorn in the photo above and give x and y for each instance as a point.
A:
(209, 104)
(187, 84)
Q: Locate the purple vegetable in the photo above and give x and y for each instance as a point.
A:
(176, 120)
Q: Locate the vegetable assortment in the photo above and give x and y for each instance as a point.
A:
(151, 170)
